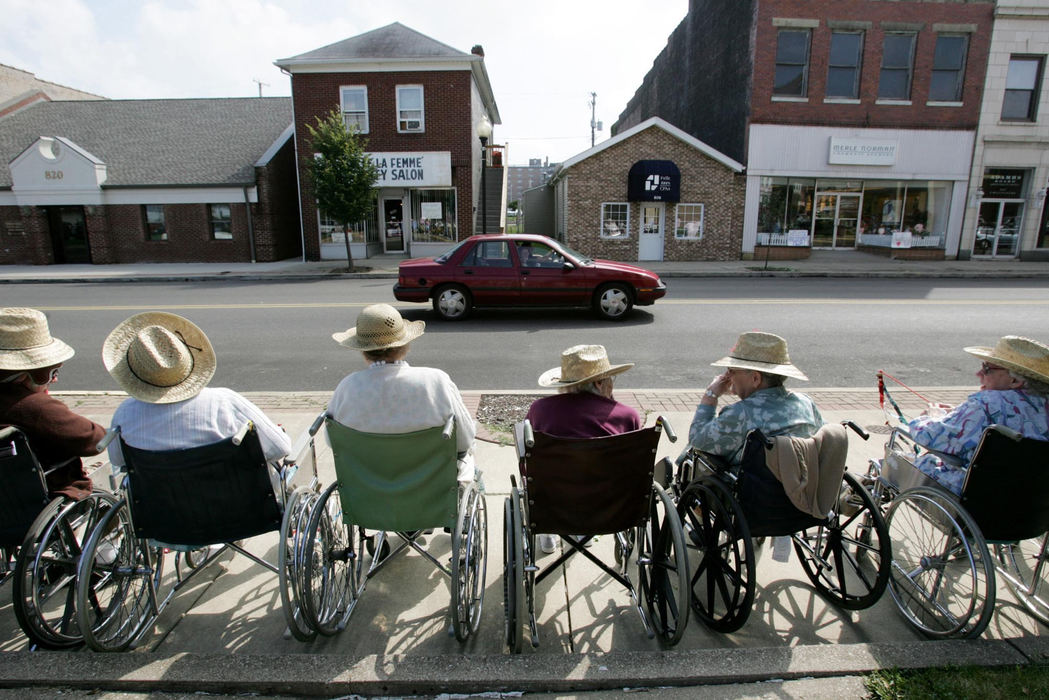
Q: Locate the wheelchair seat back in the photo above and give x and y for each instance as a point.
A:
(201, 495)
(589, 486)
(1007, 487)
(24, 493)
(396, 482)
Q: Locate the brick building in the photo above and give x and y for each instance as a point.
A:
(856, 119)
(418, 103)
(651, 192)
(122, 181)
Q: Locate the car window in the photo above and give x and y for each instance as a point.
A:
(533, 254)
(489, 254)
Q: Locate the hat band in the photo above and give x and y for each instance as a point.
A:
(27, 347)
(192, 364)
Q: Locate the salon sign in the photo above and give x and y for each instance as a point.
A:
(855, 151)
(413, 169)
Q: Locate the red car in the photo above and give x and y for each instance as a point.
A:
(524, 270)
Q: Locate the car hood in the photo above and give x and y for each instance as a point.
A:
(624, 268)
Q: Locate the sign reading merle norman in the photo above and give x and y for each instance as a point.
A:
(855, 151)
(654, 181)
(419, 169)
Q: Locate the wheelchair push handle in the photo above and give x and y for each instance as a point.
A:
(243, 432)
(856, 429)
(318, 422)
(109, 437)
(9, 432)
(665, 425)
(1007, 432)
(449, 428)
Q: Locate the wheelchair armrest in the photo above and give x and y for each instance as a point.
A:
(242, 433)
(318, 422)
(110, 435)
(952, 460)
(665, 425)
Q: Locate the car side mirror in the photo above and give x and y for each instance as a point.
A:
(567, 266)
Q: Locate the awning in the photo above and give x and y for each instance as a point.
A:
(654, 181)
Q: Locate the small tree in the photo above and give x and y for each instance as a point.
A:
(342, 175)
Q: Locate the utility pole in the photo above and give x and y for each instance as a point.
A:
(594, 124)
(256, 80)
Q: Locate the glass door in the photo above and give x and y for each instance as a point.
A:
(998, 229)
(68, 235)
(837, 216)
(393, 230)
(848, 219)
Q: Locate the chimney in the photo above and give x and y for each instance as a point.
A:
(477, 50)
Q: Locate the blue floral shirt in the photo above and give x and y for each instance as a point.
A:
(775, 410)
(958, 433)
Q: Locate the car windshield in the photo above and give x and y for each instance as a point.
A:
(443, 257)
(583, 260)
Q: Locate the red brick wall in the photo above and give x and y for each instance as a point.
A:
(24, 237)
(276, 215)
(189, 236)
(868, 114)
(603, 178)
(448, 124)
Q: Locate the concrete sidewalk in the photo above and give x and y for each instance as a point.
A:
(227, 633)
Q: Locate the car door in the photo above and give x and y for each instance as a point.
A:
(544, 278)
(490, 274)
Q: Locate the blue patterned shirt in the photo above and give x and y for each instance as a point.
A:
(775, 410)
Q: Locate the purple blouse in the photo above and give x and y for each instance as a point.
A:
(582, 415)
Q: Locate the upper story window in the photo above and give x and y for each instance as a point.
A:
(843, 66)
(948, 68)
(355, 107)
(410, 113)
(792, 63)
(221, 222)
(897, 61)
(1021, 88)
(153, 215)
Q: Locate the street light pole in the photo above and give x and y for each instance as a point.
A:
(484, 132)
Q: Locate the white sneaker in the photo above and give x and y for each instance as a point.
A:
(548, 543)
(106, 553)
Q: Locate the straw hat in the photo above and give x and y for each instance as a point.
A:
(26, 342)
(379, 326)
(159, 357)
(1021, 355)
(582, 363)
(763, 352)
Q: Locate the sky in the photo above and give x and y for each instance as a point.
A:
(544, 57)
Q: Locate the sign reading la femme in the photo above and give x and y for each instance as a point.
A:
(419, 169)
(854, 151)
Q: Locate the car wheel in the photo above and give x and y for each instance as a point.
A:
(452, 303)
(613, 301)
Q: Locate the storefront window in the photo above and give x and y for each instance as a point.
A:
(785, 204)
(614, 217)
(689, 221)
(1042, 241)
(433, 216)
(362, 231)
(919, 208)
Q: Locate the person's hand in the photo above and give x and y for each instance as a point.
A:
(716, 388)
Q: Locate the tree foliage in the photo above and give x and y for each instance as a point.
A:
(342, 175)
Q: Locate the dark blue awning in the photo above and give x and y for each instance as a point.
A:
(654, 181)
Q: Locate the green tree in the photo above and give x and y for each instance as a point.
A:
(342, 175)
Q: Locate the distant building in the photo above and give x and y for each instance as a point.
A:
(20, 88)
(525, 177)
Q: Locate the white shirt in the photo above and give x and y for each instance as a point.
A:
(212, 415)
(394, 397)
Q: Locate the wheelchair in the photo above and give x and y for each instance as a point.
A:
(41, 539)
(580, 488)
(403, 485)
(943, 571)
(198, 502)
(730, 510)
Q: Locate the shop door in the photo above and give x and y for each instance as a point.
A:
(68, 235)
(837, 216)
(997, 232)
(393, 228)
(650, 241)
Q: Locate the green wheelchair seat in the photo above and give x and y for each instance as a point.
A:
(396, 482)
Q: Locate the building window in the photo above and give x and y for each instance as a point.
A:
(433, 216)
(221, 222)
(792, 63)
(410, 113)
(689, 222)
(614, 218)
(355, 108)
(896, 62)
(1021, 88)
(153, 216)
(948, 68)
(843, 72)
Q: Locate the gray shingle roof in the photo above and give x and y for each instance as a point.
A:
(393, 41)
(156, 142)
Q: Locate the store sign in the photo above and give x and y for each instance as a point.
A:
(420, 169)
(654, 181)
(1003, 183)
(854, 151)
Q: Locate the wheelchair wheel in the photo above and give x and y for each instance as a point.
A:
(470, 562)
(514, 604)
(328, 591)
(44, 584)
(722, 582)
(662, 568)
(848, 559)
(1026, 571)
(117, 582)
(293, 528)
(942, 578)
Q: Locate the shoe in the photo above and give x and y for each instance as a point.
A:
(548, 543)
(106, 553)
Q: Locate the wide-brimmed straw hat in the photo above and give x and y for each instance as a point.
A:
(26, 341)
(379, 326)
(762, 352)
(582, 363)
(1021, 355)
(159, 357)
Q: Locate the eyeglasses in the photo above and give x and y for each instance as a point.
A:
(987, 367)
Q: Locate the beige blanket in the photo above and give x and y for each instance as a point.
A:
(811, 469)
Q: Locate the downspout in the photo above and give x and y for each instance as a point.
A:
(251, 226)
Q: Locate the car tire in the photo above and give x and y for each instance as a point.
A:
(452, 302)
(613, 302)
